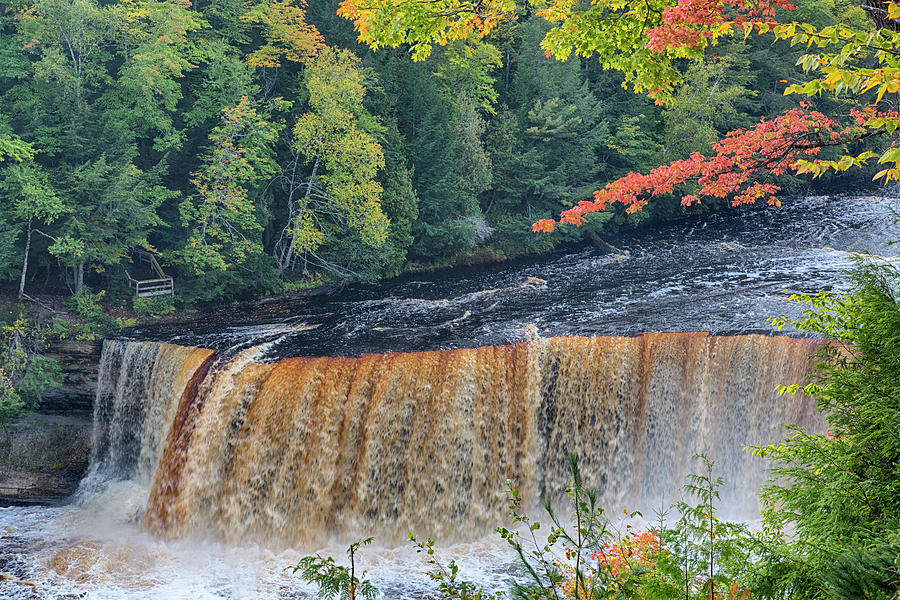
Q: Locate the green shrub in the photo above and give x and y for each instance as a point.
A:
(86, 305)
(155, 306)
(833, 507)
(25, 375)
(95, 324)
(11, 404)
(59, 329)
(589, 556)
(336, 581)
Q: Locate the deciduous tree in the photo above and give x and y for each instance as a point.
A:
(331, 183)
(222, 218)
(287, 34)
(33, 200)
(644, 39)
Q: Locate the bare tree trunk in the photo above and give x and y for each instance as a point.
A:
(288, 255)
(79, 277)
(877, 11)
(25, 262)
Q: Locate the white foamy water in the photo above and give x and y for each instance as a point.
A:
(89, 552)
(236, 462)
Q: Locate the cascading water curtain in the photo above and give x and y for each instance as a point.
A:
(293, 452)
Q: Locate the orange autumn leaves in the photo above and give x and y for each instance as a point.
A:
(735, 168)
(634, 550)
(691, 23)
(288, 36)
(839, 60)
(614, 561)
(644, 39)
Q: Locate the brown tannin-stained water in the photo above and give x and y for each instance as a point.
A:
(226, 457)
(292, 453)
(214, 468)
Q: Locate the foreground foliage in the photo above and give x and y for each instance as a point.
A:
(25, 374)
(837, 496)
(645, 41)
(587, 555)
(337, 581)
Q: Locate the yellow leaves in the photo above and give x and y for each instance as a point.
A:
(334, 137)
(865, 156)
(819, 167)
(890, 123)
(890, 156)
(286, 31)
(221, 216)
(874, 80)
(374, 225)
(557, 11)
(891, 87)
(306, 236)
(833, 77)
(267, 56)
(893, 10)
(892, 173)
(391, 23)
(723, 29)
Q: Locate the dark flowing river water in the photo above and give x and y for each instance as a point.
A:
(725, 274)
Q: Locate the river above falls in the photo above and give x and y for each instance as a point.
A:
(725, 273)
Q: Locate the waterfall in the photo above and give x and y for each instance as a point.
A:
(138, 389)
(293, 452)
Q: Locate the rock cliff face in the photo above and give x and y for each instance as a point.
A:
(80, 363)
(44, 455)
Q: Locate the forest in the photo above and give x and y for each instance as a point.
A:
(260, 148)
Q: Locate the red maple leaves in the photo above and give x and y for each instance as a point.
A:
(736, 168)
(690, 23)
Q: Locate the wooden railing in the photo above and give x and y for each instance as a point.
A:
(163, 285)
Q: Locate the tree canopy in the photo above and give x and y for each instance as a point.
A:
(255, 147)
(645, 41)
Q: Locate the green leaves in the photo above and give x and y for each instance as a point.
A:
(33, 197)
(385, 23)
(335, 138)
(337, 581)
(288, 36)
(14, 148)
(834, 496)
(160, 52)
(24, 374)
(450, 586)
(222, 217)
(465, 73)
